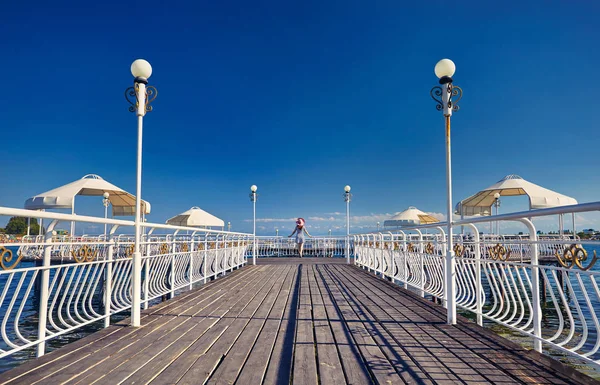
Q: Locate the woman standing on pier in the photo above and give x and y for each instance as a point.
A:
(299, 231)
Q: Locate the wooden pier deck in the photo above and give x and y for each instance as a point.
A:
(300, 321)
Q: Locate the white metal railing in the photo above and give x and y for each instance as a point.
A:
(544, 287)
(287, 247)
(52, 285)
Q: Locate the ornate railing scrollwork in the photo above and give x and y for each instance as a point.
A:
(499, 252)
(164, 248)
(574, 255)
(184, 248)
(459, 250)
(429, 248)
(6, 257)
(84, 254)
(129, 251)
(410, 248)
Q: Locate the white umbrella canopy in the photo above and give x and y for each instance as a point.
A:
(122, 202)
(196, 217)
(512, 185)
(410, 217)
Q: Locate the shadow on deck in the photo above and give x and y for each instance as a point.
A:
(301, 321)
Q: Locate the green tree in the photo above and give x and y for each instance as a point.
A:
(18, 226)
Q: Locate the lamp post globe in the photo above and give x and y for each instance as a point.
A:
(347, 189)
(253, 188)
(140, 68)
(444, 67)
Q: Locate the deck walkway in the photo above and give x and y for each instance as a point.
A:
(284, 321)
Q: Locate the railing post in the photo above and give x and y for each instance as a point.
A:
(535, 285)
(108, 278)
(147, 270)
(478, 288)
(444, 251)
(381, 267)
(404, 260)
(205, 259)
(172, 248)
(191, 262)
(422, 264)
(44, 285)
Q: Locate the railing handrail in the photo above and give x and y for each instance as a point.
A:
(7, 211)
(570, 209)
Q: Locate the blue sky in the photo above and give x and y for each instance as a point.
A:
(300, 99)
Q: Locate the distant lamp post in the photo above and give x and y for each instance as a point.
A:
(105, 202)
(276, 232)
(330, 232)
(347, 198)
(253, 197)
(377, 226)
(228, 226)
(447, 96)
(139, 96)
(497, 205)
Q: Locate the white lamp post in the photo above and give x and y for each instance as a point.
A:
(253, 197)
(228, 226)
(447, 96)
(497, 205)
(347, 198)
(139, 96)
(105, 202)
(377, 226)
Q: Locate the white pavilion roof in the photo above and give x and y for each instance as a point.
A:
(512, 185)
(410, 217)
(122, 202)
(196, 217)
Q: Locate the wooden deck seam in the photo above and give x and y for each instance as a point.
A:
(250, 378)
(364, 323)
(227, 356)
(170, 319)
(66, 353)
(220, 323)
(189, 377)
(464, 327)
(416, 363)
(79, 345)
(190, 314)
(375, 320)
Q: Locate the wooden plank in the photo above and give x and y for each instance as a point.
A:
(148, 332)
(204, 366)
(353, 364)
(231, 365)
(255, 368)
(279, 369)
(401, 352)
(443, 340)
(80, 349)
(305, 364)
(330, 367)
(185, 361)
(379, 365)
(128, 361)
